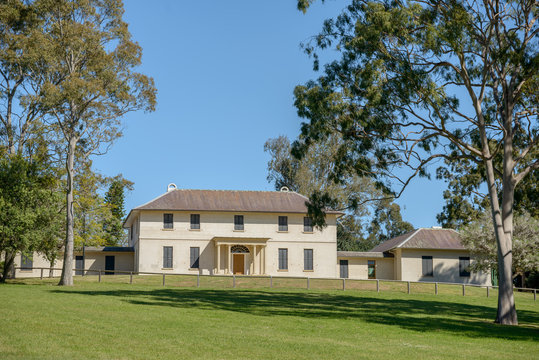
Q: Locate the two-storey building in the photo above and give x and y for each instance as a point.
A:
(231, 232)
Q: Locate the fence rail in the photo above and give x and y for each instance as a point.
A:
(271, 279)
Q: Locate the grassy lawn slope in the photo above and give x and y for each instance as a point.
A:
(120, 321)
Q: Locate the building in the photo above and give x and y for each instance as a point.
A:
(231, 232)
(216, 232)
(426, 254)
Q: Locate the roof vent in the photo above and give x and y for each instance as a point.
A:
(171, 187)
(437, 227)
(285, 189)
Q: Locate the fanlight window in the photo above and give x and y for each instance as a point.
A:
(239, 249)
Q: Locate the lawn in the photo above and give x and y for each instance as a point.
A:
(116, 320)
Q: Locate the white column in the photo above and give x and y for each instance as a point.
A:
(263, 259)
(255, 270)
(218, 259)
(229, 255)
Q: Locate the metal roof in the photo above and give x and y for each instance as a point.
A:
(230, 200)
(363, 254)
(424, 238)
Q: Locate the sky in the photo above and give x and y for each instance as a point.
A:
(225, 73)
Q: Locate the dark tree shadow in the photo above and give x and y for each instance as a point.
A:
(418, 315)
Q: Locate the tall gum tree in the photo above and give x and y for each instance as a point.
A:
(90, 83)
(422, 81)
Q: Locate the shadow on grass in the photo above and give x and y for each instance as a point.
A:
(418, 315)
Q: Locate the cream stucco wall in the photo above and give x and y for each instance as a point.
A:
(358, 267)
(445, 265)
(259, 228)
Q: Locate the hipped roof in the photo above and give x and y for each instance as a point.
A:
(424, 238)
(229, 200)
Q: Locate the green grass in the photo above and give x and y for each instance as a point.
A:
(116, 320)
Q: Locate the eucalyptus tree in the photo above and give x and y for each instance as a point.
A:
(89, 60)
(417, 82)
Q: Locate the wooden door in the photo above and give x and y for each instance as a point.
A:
(238, 264)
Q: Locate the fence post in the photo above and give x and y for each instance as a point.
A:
(377, 285)
(463, 289)
(130, 277)
(435, 288)
(198, 280)
(343, 284)
(307, 283)
(163, 279)
(408, 287)
(233, 281)
(41, 276)
(488, 288)
(534, 294)
(271, 281)
(99, 275)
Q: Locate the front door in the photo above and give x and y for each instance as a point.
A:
(344, 268)
(109, 265)
(239, 267)
(79, 265)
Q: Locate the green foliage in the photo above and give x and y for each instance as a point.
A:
(479, 238)
(30, 207)
(309, 176)
(114, 199)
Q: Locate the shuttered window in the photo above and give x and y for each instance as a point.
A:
(283, 223)
(168, 221)
(427, 266)
(167, 257)
(238, 222)
(283, 259)
(195, 254)
(195, 221)
(307, 224)
(307, 259)
(464, 266)
(26, 261)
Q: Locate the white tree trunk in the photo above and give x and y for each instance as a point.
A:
(67, 268)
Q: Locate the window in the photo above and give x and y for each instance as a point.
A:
(168, 221)
(238, 222)
(26, 262)
(427, 265)
(283, 259)
(307, 224)
(371, 269)
(195, 254)
(464, 266)
(131, 233)
(283, 223)
(307, 259)
(195, 221)
(167, 257)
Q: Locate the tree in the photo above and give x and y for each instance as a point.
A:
(421, 81)
(480, 239)
(29, 208)
(115, 199)
(88, 62)
(309, 176)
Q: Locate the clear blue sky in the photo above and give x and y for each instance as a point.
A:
(225, 72)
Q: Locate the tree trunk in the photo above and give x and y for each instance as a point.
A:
(8, 270)
(51, 271)
(66, 278)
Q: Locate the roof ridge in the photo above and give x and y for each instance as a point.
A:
(411, 236)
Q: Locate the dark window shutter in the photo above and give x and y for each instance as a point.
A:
(283, 259)
(238, 222)
(307, 224)
(167, 257)
(283, 223)
(427, 265)
(308, 259)
(168, 221)
(195, 255)
(464, 264)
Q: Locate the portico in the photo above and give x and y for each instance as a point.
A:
(241, 256)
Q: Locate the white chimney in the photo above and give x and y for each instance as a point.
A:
(171, 187)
